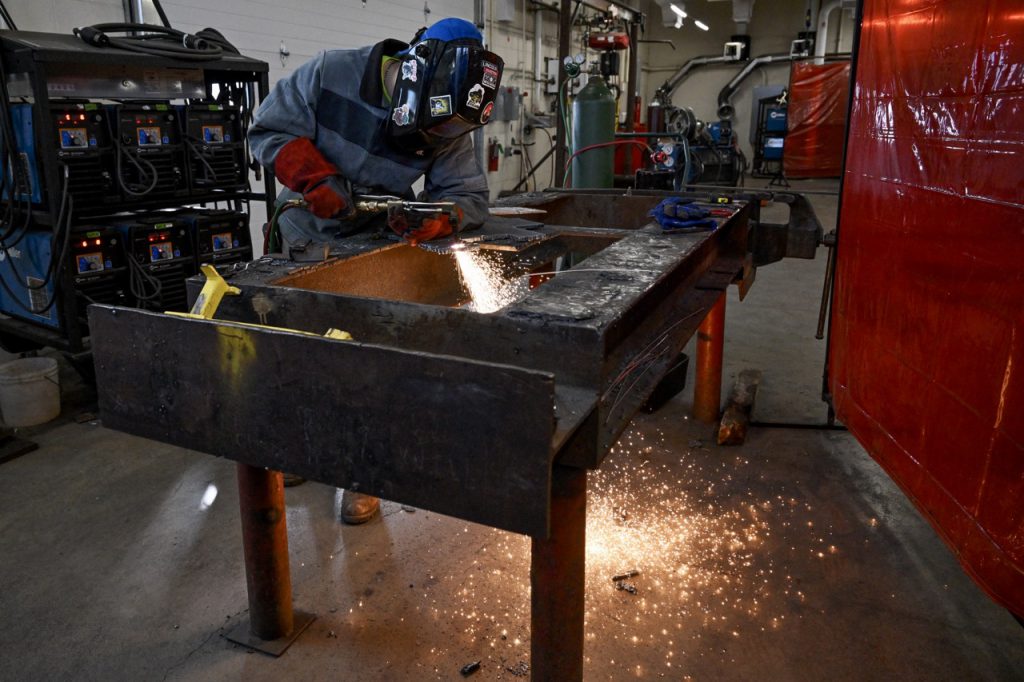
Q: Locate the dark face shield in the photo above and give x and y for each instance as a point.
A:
(444, 90)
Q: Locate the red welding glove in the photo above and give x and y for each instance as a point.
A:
(301, 167)
(430, 228)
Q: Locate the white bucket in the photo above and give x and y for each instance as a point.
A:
(29, 391)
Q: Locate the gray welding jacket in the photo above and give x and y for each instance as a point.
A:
(337, 100)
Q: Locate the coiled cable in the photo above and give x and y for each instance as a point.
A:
(161, 41)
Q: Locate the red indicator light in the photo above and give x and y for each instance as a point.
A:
(138, 120)
(97, 242)
(85, 243)
(81, 117)
(67, 116)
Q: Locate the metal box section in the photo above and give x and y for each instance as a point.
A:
(399, 273)
(451, 410)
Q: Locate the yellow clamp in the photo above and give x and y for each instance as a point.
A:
(214, 291)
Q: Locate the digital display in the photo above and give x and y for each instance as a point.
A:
(90, 262)
(73, 138)
(222, 241)
(161, 251)
(213, 133)
(149, 136)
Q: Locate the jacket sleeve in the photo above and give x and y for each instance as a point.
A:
(288, 112)
(456, 176)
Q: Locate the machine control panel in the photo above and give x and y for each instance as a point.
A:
(157, 243)
(148, 125)
(222, 237)
(95, 252)
(81, 128)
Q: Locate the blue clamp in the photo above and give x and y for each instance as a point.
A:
(676, 214)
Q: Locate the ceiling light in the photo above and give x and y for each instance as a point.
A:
(700, 24)
(679, 22)
(679, 12)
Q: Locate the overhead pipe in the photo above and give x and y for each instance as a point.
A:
(725, 108)
(664, 93)
(821, 38)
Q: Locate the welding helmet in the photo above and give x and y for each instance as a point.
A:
(445, 88)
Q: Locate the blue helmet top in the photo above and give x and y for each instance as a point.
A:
(452, 29)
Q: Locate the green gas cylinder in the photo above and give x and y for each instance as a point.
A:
(593, 122)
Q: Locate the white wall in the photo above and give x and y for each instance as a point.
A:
(60, 16)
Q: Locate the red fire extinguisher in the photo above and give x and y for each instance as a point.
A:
(493, 153)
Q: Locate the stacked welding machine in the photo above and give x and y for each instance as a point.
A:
(125, 168)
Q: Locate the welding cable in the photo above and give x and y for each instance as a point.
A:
(138, 278)
(687, 166)
(62, 228)
(54, 264)
(646, 356)
(11, 160)
(142, 173)
(599, 145)
(273, 240)
(160, 11)
(197, 152)
(565, 117)
(160, 41)
(63, 218)
(551, 143)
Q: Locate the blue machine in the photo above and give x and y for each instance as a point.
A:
(713, 157)
(25, 139)
(23, 267)
(774, 132)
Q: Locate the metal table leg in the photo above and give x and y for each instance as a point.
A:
(707, 390)
(272, 624)
(557, 581)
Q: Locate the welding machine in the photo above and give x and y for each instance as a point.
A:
(100, 270)
(216, 148)
(222, 236)
(160, 254)
(30, 280)
(85, 147)
(150, 161)
(97, 262)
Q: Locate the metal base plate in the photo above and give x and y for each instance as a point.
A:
(240, 634)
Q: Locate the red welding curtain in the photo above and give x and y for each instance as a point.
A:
(927, 353)
(818, 100)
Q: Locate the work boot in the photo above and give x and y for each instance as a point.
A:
(358, 508)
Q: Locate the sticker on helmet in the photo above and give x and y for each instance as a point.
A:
(490, 77)
(476, 97)
(441, 105)
(409, 68)
(401, 115)
(485, 115)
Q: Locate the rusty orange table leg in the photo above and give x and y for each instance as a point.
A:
(557, 577)
(272, 624)
(707, 391)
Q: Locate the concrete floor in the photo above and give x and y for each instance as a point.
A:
(791, 557)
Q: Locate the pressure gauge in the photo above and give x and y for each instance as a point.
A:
(572, 65)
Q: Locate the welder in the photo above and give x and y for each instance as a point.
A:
(373, 121)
